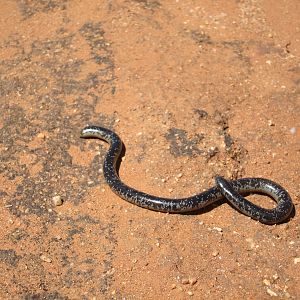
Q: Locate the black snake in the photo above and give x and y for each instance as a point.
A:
(231, 190)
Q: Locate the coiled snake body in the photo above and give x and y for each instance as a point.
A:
(232, 190)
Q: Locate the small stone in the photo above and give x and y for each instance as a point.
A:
(275, 276)
(271, 293)
(57, 201)
(215, 253)
(185, 281)
(173, 286)
(287, 295)
(190, 293)
(218, 229)
(268, 62)
(45, 258)
(192, 280)
(296, 260)
(293, 130)
(271, 123)
(41, 136)
(266, 282)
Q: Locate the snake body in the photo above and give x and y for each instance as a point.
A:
(232, 190)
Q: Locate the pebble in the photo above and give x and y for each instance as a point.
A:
(271, 293)
(271, 123)
(275, 276)
(41, 136)
(185, 281)
(192, 280)
(190, 293)
(293, 130)
(173, 286)
(287, 295)
(266, 282)
(218, 229)
(215, 253)
(57, 201)
(296, 260)
(45, 258)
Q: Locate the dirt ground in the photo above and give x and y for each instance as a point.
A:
(194, 89)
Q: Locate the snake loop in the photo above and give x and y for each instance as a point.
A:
(231, 190)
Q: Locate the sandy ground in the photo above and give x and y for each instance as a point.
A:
(194, 89)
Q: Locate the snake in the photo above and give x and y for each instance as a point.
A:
(232, 190)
